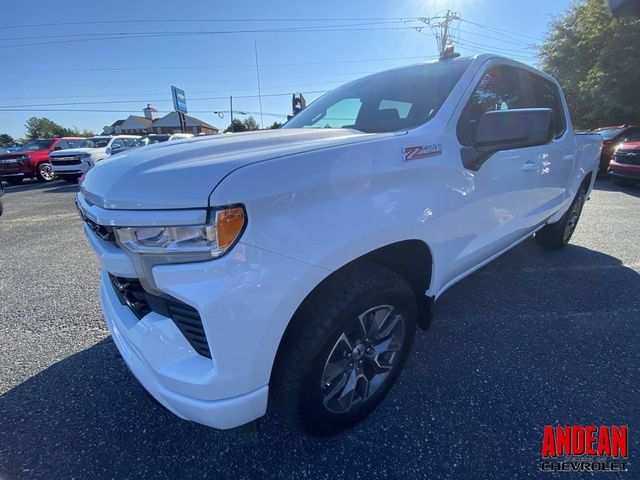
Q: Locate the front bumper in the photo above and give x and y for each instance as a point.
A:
(14, 170)
(245, 301)
(135, 339)
(73, 169)
(624, 170)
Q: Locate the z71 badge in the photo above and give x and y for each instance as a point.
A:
(419, 151)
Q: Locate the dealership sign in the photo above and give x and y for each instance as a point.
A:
(590, 448)
(179, 99)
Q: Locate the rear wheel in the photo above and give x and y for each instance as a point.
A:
(625, 182)
(44, 172)
(344, 350)
(13, 180)
(557, 235)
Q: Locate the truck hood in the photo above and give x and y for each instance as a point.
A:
(68, 152)
(629, 146)
(182, 174)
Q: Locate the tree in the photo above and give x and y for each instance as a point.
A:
(6, 140)
(236, 125)
(45, 128)
(42, 128)
(275, 125)
(250, 123)
(595, 58)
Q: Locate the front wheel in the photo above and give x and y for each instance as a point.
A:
(344, 350)
(44, 172)
(557, 235)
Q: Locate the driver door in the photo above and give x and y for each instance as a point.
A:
(499, 207)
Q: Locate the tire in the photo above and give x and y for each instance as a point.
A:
(13, 180)
(625, 182)
(324, 350)
(44, 172)
(557, 235)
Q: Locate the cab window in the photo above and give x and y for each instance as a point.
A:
(546, 95)
(501, 88)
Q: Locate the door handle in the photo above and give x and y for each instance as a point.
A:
(530, 166)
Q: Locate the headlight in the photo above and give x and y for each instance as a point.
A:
(192, 243)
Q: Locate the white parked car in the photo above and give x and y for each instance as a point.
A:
(292, 266)
(180, 136)
(71, 163)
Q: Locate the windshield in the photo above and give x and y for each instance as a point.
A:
(36, 145)
(395, 100)
(608, 133)
(95, 142)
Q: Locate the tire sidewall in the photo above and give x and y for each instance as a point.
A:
(580, 196)
(39, 172)
(311, 395)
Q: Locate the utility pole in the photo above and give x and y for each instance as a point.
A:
(231, 111)
(442, 32)
(255, 49)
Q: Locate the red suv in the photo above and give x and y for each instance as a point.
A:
(625, 164)
(611, 138)
(32, 160)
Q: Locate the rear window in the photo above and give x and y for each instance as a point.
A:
(395, 100)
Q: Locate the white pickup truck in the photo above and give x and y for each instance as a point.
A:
(69, 164)
(291, 267)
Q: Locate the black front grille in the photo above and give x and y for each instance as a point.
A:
(628, 157)
(11, 163)
(131, 293)
(14, 157)
(65, 161)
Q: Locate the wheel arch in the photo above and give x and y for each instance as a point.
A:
(410, 259)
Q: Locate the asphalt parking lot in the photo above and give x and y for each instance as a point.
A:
(536, 338)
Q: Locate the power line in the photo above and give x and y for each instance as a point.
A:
(522, 53)
(502, 31)
(214, 67)
(77, 110)
(126, 36)
(191, 99)
(98, 35)
(523, 42)
(207, 20)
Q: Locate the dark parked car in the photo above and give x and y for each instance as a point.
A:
(611, 138)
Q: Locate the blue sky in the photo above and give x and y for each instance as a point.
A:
(82, 71)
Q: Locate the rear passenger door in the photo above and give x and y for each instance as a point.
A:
(557, 158)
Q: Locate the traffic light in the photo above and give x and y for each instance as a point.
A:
(298, 103)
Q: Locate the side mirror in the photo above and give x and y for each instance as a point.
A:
(507, 130)
(115, 146)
